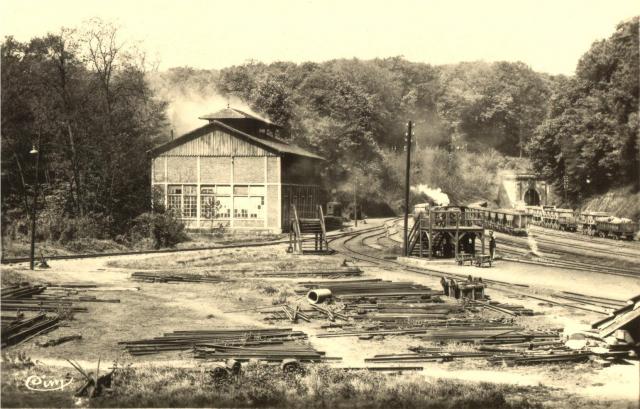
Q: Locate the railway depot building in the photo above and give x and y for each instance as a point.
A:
(235, 172)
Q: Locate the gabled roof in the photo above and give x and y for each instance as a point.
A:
(232, 113)
(270, 144)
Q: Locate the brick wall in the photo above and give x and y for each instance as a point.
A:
(248, 170)
(215, 170)
(182, 170)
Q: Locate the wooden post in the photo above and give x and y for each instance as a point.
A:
(430, 236)
(457, 235)
(420, 233)
(406, 191)
(482, 239)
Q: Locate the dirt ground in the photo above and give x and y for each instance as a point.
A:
(151, 309)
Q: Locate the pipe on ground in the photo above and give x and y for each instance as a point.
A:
(318, 295)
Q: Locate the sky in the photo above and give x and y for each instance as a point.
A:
(548, 35)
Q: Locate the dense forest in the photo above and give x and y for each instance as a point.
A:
(92, 107)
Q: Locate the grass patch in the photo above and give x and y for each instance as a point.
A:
(266, 386)
(11, 277)
(247, 259)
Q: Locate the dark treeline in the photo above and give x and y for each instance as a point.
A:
(354, 113)
(81, 98)
(592, 133)
(96, 109)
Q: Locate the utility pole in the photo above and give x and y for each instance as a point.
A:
(34, 151)
(355, 199)
(406, 190)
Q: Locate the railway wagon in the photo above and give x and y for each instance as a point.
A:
(537, 214)
(503, 220)
(559, 219)
(617, 229)
(586, 221)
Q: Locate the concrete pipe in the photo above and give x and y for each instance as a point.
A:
(318, 295)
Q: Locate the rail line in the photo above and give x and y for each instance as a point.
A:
(15, 260)
(518, 248)
(575, 265)
(610, 251)
(344, 248)
(577, 236)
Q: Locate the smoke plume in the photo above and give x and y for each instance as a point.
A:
(437, 195)
(188, 102)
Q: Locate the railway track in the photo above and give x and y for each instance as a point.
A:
(631, 254)
(15, 260)
(355, 247)
(519, 251)
(518, 247)
(577, 236)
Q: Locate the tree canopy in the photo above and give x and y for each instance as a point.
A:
(81, 98)
(591, 133)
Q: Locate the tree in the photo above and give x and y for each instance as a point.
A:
(591, 134)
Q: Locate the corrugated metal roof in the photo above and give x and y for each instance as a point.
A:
(268, 143)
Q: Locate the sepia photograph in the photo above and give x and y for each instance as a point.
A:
(320, 204)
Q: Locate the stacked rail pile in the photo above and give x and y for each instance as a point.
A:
(488, 335)
(273, 344)
(16, 327)
(331, 272)
(28, 297)
(372, 289)
(162, 277)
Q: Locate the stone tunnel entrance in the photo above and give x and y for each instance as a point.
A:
(532, 198)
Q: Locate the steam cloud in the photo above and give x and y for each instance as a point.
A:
(437, 195)
(186, 104)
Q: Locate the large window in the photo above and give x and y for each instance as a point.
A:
(215, 202)
(174, 197)
(248, 202)
(189, 202)
(183, 199)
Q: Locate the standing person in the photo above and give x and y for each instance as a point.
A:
(492, 245)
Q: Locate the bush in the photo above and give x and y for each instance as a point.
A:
(165, 229)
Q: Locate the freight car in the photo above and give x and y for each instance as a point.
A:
(509, 221)
(586, 221)
(559, 219)
(616, 228)
(591, 223)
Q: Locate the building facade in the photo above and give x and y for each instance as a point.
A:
(235, 172)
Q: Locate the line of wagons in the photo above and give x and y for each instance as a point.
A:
(515, 221)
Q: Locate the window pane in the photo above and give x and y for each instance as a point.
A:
(207, 190)
(256, 190)
(207, 206)
(175, 189)
(223, 190)
(223, 205)
(190, 189)
(248, 207)
(241, 190)
(174, 202)
(190, 208)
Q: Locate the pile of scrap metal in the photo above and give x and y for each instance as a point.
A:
(271, 344)
(472, 290)
(367, 299)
